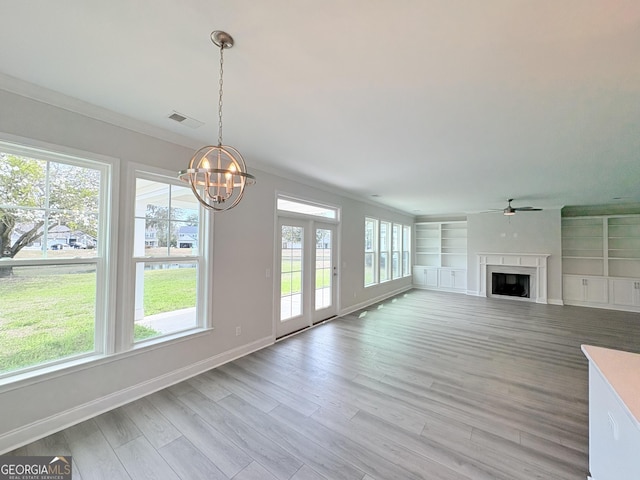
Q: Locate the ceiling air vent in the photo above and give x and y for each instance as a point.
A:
(184, 120)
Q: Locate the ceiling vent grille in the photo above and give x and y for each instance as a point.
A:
(184, 120)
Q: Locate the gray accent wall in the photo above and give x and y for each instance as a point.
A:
(525, 232)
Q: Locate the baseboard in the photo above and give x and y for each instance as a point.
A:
(555, 301)
(371, 301)
(440, 289)
(42, 428)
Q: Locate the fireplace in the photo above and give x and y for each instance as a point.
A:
(519, 276)
(510, 284)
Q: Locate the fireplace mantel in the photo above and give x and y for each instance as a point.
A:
(535, 261)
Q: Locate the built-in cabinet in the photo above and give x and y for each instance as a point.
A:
(601, 261)
(580, 289)
(441, 255)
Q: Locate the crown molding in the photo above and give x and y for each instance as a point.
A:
(65, 102)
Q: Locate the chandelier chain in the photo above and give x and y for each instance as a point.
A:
(220, 83)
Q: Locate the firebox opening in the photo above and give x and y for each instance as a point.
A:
(511, 284)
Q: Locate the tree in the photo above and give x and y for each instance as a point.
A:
(36, 195)
(292, 235)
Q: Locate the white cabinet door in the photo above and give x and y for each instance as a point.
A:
(596, 290)
(577, 288)
(622, 291)
(445, 278)
(572, 288)
(459, 279)
(625, 292)
(425, 276)
(452, 278)
(420, 276)
(432, 277)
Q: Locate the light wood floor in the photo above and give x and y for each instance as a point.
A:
(427, 385)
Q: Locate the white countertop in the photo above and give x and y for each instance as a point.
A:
(622, 371)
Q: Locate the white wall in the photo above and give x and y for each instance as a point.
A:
(525, 232)
(243, 295)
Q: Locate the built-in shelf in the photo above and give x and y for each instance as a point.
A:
(441, 255)
(601, 261)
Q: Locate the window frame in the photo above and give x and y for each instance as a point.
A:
(384, 247)
(373, 251)
(398, 242)
(104, 260)
(301, 211)
(114, 301)
(396, 251)
(406, 250)
(204, 289)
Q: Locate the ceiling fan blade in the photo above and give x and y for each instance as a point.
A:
(527, 209)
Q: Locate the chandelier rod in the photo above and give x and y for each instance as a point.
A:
(220, 84)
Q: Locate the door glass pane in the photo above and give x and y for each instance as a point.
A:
(291, 272)
(324, 268)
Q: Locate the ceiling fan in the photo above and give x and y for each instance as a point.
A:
(509, 210)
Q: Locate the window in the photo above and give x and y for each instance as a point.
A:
(57, 265)
(370, 251)
(167, 256)
(387, 251)
(54, 246)
(406, 250)
(295, 205)
(396, 250)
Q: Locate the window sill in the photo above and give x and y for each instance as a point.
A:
(48, 373)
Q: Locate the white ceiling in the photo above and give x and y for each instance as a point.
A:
(438, 107)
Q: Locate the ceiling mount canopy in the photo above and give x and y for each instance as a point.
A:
(218, 174)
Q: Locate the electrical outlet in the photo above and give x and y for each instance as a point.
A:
(238, 331)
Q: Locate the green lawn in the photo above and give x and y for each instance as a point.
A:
(291, 276)
(160, 287)
(48, 313)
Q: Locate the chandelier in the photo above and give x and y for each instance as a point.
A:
(218, 174)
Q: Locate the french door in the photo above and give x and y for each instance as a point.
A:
(307, 276)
